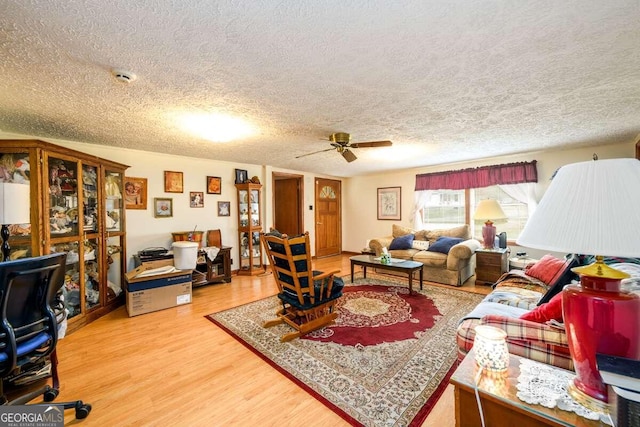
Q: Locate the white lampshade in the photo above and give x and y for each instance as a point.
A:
(589, 208)
(489, 210)
(15, 203)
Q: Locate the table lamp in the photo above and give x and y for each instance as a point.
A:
(490, 349)
(593, 208)
(489, 210)
(15, 208)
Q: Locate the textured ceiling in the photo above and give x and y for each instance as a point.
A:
(444, 80)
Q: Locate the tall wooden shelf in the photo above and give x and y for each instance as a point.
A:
(249, 228)
(77, 207)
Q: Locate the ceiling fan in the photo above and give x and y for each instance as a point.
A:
(340, 142)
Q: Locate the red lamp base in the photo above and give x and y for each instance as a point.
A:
(599, 318)
(488, 235)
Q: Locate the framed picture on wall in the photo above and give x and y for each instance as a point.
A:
(224, 208)
(196, 199)
(389, 203)
(173, 182)
(214, 185)
(242, 176)
(135, 192)
(162, 208)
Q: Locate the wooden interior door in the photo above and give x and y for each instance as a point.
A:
(287, 203)
(328, 217)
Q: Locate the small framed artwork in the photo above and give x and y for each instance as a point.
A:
(162, 208)
(196, 199)
(173, 182)
(390, 203)
(214, 185)
(242, 176)
(135, 192)
(224, 208)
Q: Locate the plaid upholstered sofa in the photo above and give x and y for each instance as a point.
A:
(448, 255)
(514, 295)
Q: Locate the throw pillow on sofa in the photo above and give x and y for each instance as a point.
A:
(551, 310)
(444, 244)
(545, 269)
(562, 277)
(402, 242)
(421, 245)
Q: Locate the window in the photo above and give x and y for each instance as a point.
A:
(449, 208)
(444, 209)
(516, 211)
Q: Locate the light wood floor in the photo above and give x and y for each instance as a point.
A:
(175, 368)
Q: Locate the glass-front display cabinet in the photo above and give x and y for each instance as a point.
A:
(249, 228)
(76, 208)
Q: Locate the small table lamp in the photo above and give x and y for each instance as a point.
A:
(489, 210)
(15, 208)
(593, 208)
(490, 349)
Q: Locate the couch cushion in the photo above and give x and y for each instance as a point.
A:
(444, 244)
(403, 253)
(461, 232)
(402, 242)
(398, 230)
(431, 259)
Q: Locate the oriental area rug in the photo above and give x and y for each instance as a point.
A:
(385, 361)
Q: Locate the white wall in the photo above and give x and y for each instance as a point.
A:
(360, 193)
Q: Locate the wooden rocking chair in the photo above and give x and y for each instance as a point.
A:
(308, 297)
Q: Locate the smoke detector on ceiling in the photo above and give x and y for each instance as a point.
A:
(123, 76)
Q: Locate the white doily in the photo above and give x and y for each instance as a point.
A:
(540, 384)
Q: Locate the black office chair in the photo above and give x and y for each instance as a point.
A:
(30, 311)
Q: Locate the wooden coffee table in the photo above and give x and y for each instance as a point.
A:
(500, 405)
(403, 266)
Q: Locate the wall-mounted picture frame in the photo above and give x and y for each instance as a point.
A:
(242, 176)
(224, 208)
(196, 199)
(162, 207)
(214, 185)
(135, 193)
(173, 182)
(390, 203)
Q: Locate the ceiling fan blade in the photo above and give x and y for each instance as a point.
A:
(315, 152)
(348, 155)
(371, 144)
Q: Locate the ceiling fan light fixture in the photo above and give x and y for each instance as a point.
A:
(340, 138)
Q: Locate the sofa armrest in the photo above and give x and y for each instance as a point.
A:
(526, 330)
(461, 252)
(380, 242)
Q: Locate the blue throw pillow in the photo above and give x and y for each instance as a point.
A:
(444, 244)
(402, 242)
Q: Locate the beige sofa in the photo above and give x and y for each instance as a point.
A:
(453, 268)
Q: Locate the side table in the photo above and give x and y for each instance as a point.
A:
(491, 264)
(500, 405)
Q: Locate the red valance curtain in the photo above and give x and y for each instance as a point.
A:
(485, 176)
